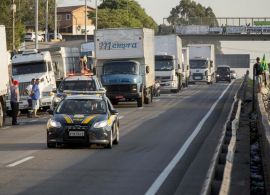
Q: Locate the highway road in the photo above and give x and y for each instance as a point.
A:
(165, 148)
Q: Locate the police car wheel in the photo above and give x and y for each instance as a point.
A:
(117, 136)
(109, 145)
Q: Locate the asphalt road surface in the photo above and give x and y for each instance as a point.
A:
(165, 148)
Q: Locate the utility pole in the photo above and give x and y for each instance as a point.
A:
(13, 8)
(55, 20)
(96, 15)
(46, 28)
(85, 21)
(36, 24)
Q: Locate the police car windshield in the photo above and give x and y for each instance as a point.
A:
(78, 85)
(78, 106)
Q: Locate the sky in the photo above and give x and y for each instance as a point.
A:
(160, 9)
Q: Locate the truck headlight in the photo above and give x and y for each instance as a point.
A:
(100, 124)
(56, 99)
(53, 124)
(217, 75)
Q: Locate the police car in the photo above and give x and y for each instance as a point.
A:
(85, 119)
(75, 84)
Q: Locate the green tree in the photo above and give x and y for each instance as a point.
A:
(122, 13)
(190, 12)
(24, 16)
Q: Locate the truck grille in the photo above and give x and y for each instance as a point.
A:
(22, 87)
(121, 88)
(197, 76)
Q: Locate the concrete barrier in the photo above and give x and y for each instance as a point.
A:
(264, 130)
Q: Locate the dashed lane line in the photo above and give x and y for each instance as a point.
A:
(20, 161)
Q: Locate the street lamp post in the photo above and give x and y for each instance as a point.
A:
(13, 8)
(46, 29)
(55, 20)
(85, 21)
(36, 24)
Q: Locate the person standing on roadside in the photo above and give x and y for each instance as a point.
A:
(258, 74)
(14, 100)
(35, 97)
(28, 91)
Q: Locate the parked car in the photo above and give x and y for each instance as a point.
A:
(58, 36)
(223, 73)
(83, 119)
(233, 74)
(31, 36)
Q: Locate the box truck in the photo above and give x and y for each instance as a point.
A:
(4, 81)
(168, 62)
(125, 64)
(202, 63)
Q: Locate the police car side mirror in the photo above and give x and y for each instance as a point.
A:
(114, 112)
(50, 112)
(102, 89)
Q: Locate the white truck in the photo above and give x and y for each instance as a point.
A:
(4, 80)
(125, 63)
(202, 63)
(186, 66)
(65, 61)
(168, 62)
(33, 64)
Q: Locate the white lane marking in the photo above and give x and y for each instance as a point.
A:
(157, 100)
(140, 108)
(120, 117)
(20, 161)
(162, 177)
(7, 127)
(34, 120)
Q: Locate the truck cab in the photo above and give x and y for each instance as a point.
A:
(167, 72)
(33, 64)
(201, 70)
(122, 80)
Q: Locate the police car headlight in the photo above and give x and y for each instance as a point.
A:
(53, 124)
(101, 124)
(228, 75)
(217, 75)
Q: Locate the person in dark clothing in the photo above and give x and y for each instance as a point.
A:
(258, 73)
(15, 98)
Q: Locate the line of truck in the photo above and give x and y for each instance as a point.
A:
(128, 62)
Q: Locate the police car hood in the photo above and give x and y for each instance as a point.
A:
(80, 119)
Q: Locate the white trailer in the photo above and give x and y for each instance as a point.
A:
(125, 63)
(202, 63)
(4, 80)
(33, 64)
(168, 62)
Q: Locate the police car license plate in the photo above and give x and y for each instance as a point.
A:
(76, 133)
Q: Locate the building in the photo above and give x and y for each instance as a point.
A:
(71, 20)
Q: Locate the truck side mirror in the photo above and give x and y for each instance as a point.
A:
(211, 63)
(147, 69)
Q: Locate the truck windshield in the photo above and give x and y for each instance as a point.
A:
(163, 64)
(198, 64)
(87, 85)
(120, 68)
(29, 68)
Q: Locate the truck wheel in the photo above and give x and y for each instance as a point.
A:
(114, 102)
(140, 101)
(148, 99)
(51, 145)
(2, 117)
